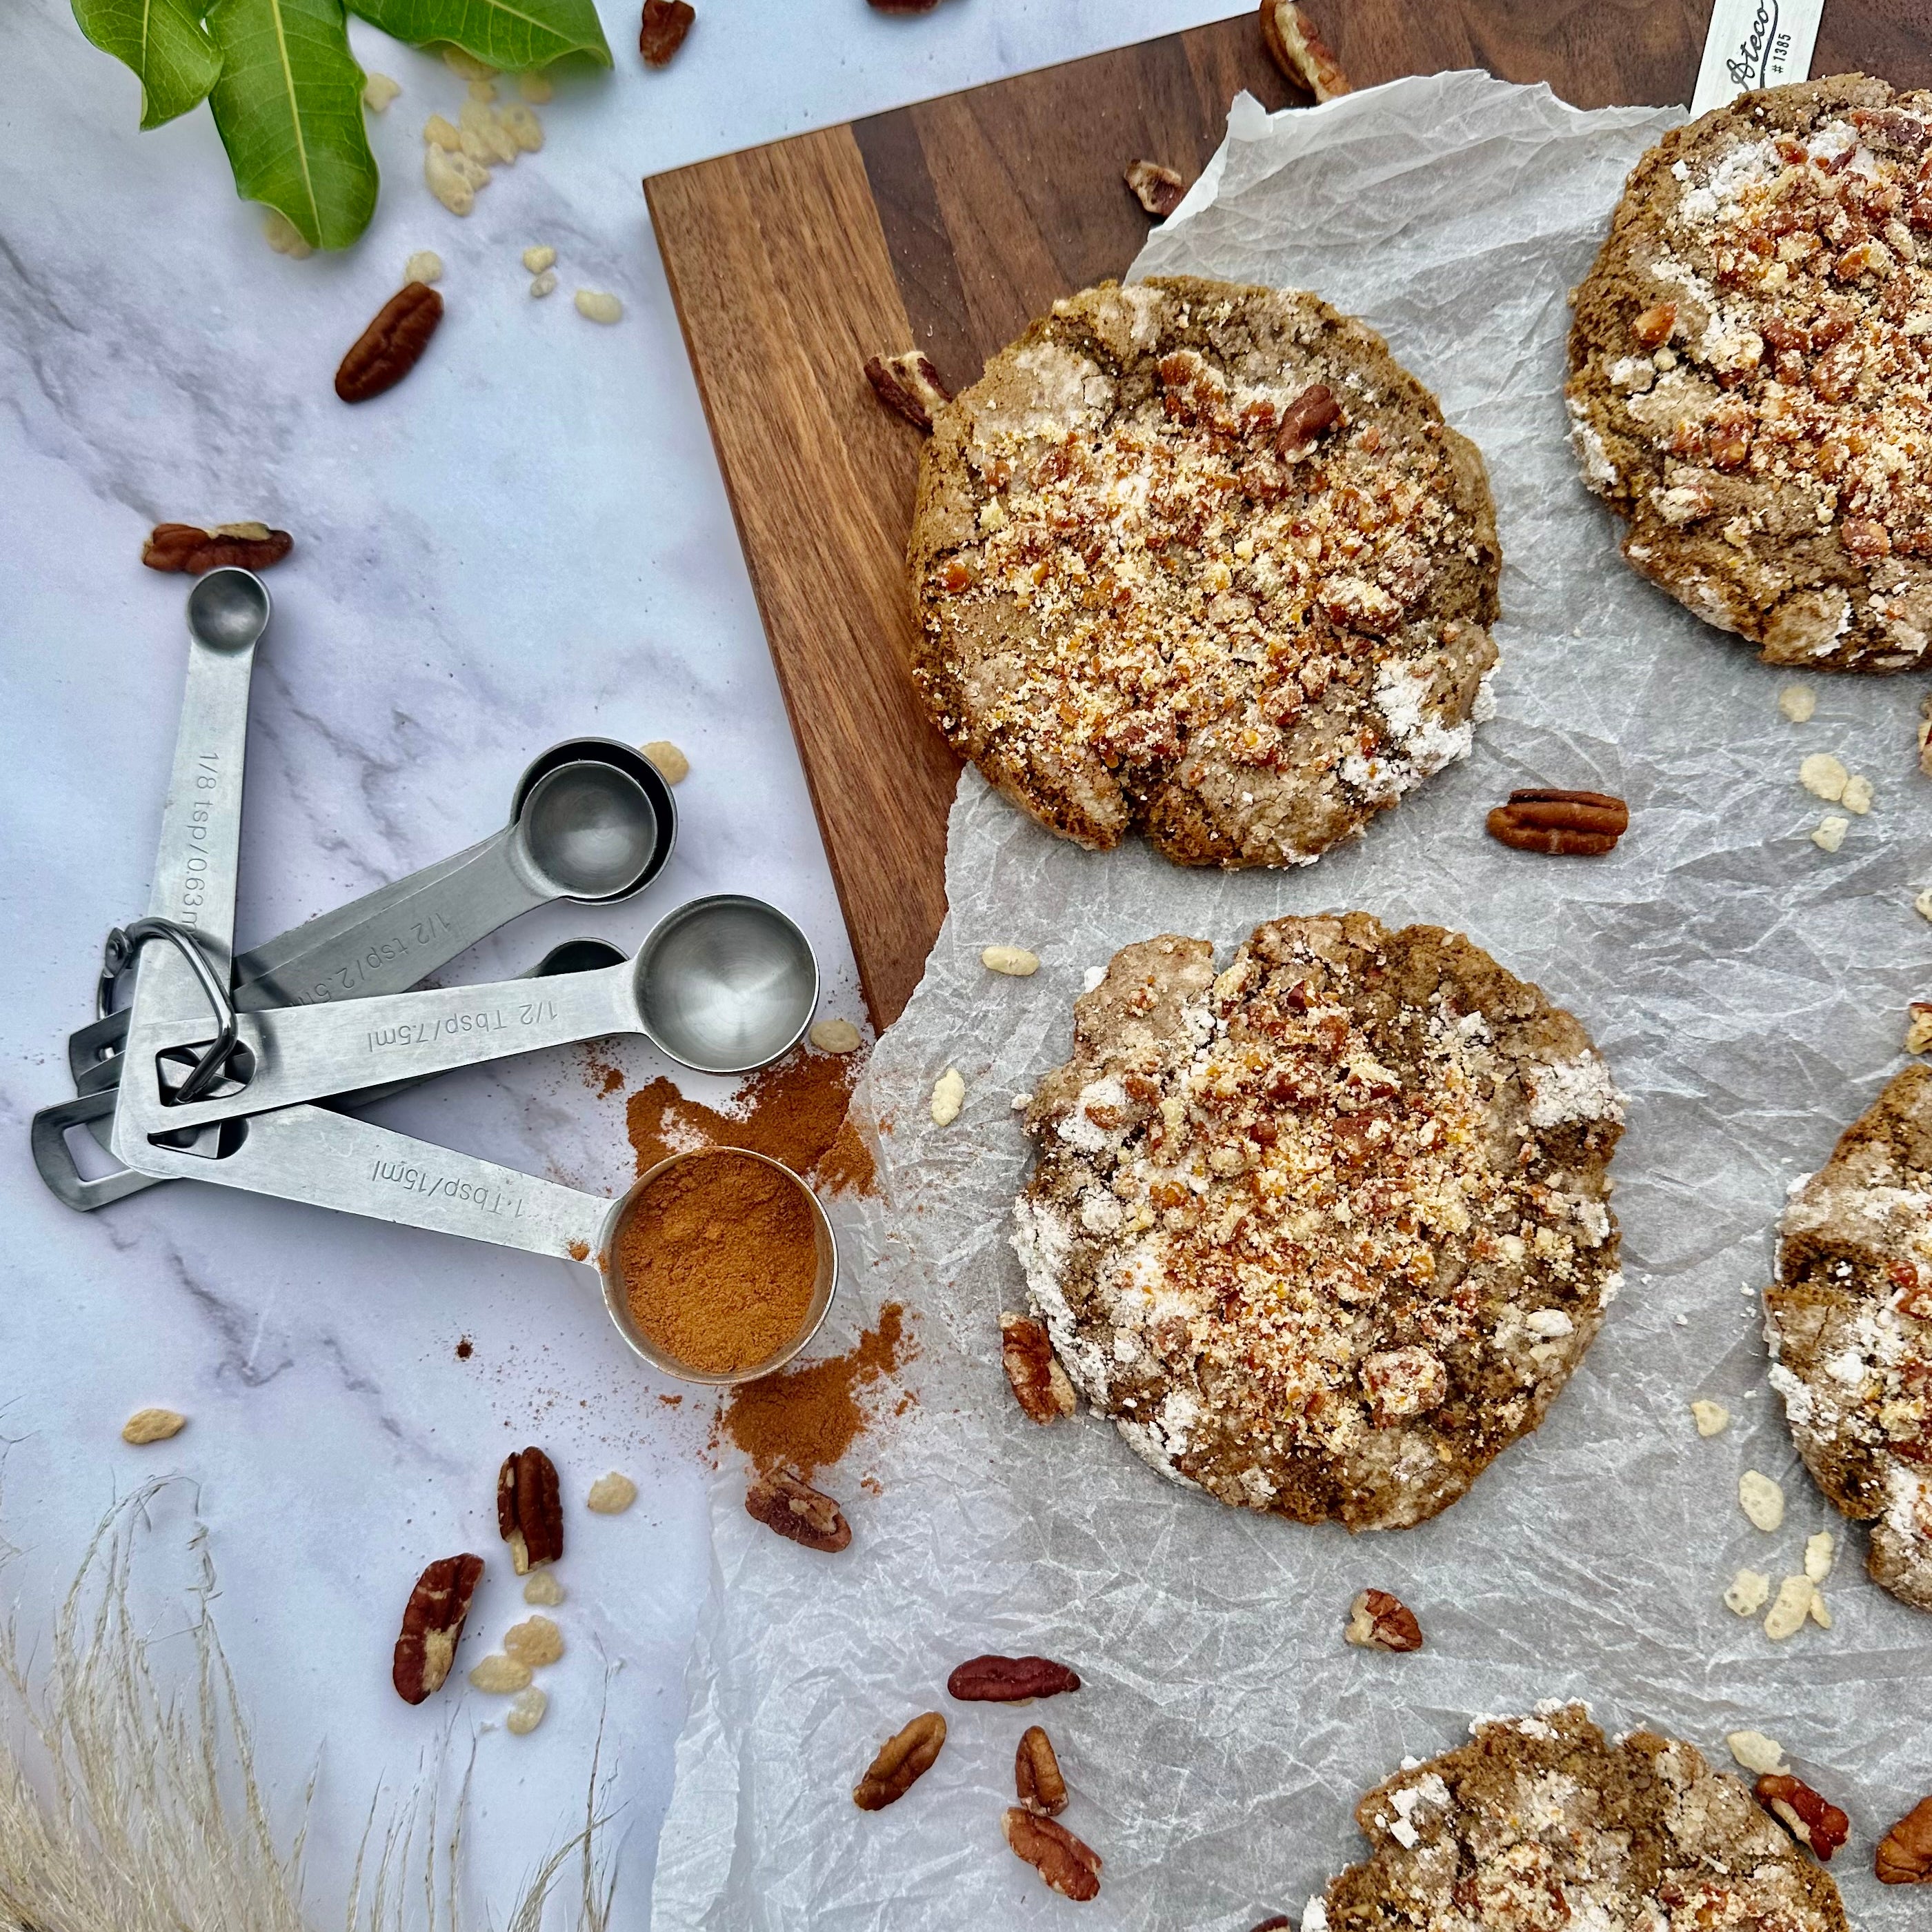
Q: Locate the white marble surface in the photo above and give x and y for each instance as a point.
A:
(528, 540)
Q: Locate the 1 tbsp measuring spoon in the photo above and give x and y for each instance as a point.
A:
(591, 820)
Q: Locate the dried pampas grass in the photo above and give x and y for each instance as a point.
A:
(123, 1808)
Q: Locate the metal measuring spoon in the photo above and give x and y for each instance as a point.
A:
(723, 985)
(334, 1160)
(581, 819)
(54, 1158)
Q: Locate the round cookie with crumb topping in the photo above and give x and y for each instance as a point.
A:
(1540, 1822)
(1750, 363)
(1849, 1319)
(1325, 1232)
(1205, 561)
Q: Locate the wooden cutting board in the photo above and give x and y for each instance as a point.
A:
(948, 225)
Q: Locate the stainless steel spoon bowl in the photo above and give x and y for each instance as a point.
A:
(228, 610)
(726, 983)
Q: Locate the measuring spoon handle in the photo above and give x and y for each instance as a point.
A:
(333, 1160)
(382, 946)
(309, 1053)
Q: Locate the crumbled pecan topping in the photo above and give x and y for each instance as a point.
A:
(1201, 567)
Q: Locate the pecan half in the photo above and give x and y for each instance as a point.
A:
(1568, 824)
(794, 1509)
(1009, 1680)
(1157, 189)
(189, 548)
(432, 1623)
(392, 345)
(1036, 1774)
(1067, 1866)
(908, 385)
(529, 1510)
(1298, 50)
(1039, 1383)
(1280, 1922)
(902, 1762)
(1312, 413)
(903, 6)
(662, 33)
(1379, 1621)
(1809, 1818)
(1905, 1852)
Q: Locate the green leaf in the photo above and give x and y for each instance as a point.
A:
(289, 107)
(515, 35)
(162, 41)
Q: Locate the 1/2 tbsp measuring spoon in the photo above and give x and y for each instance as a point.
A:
(592, 820)
(722, 985)
(55, 1160)
(334, 1160)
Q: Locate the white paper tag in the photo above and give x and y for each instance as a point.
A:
(1755, 43)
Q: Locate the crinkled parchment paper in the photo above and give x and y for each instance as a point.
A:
(1749, 990)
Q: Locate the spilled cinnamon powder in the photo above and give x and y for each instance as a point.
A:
(794, 1110)
(807, 1418)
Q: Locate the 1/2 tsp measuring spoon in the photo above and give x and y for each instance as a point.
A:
(723, 985)
(591, 819)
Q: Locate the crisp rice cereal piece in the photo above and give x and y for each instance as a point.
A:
(1798, 702)
(1756, 1752)
(1921, 904)
(1919, 1027)
(1787, 1613)
(438, 132)
(1830, 833)
(283, 236)
(1858, 794)
(1761, 1498)
(536, 1641)
(535, 88)
(1711, 1417)
(378, 91)
(1818, 1551)
(498, 1674)
(541, 1586)
(611, 1495)
(1016, 962)
(949, 1096)
(151, 1425)
(1824, 776)
(835, 1036)
(1749, 1590)
(598, 305)
(536, 260)
(545, 284)
(1820, 1615)
(425, 266)
(527, 1712)
(466, 65)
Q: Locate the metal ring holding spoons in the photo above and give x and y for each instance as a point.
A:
(617, 1298)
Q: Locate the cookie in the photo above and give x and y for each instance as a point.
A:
(1849, 1321)
(1206, 561)
(1324, 1233)
(1539, 1822)
(1749, 363)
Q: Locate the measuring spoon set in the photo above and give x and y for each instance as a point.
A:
(236, 1070)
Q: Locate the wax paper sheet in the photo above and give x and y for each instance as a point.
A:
(1749, 990)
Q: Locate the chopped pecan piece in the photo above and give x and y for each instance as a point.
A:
(902, 1762)
(187, 547)
(1067, 1866)
(1157, 189)
(1039, 1383)
(1298, 48)
(1653, 326)
(432, 1623)
(909, 385)
(1280, 1922)
(1312, 413)
(529, 1510)
(662, 30)
(392, 345)
(1036, 1774)
(1809, 1818)
(1379, 1621)
(1905, 1852)
(794, 1509)
(1567, 824)
(1009, 1680)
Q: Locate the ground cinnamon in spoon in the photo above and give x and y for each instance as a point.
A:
(718, 1261)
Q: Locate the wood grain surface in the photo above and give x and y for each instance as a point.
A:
(948, 225)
